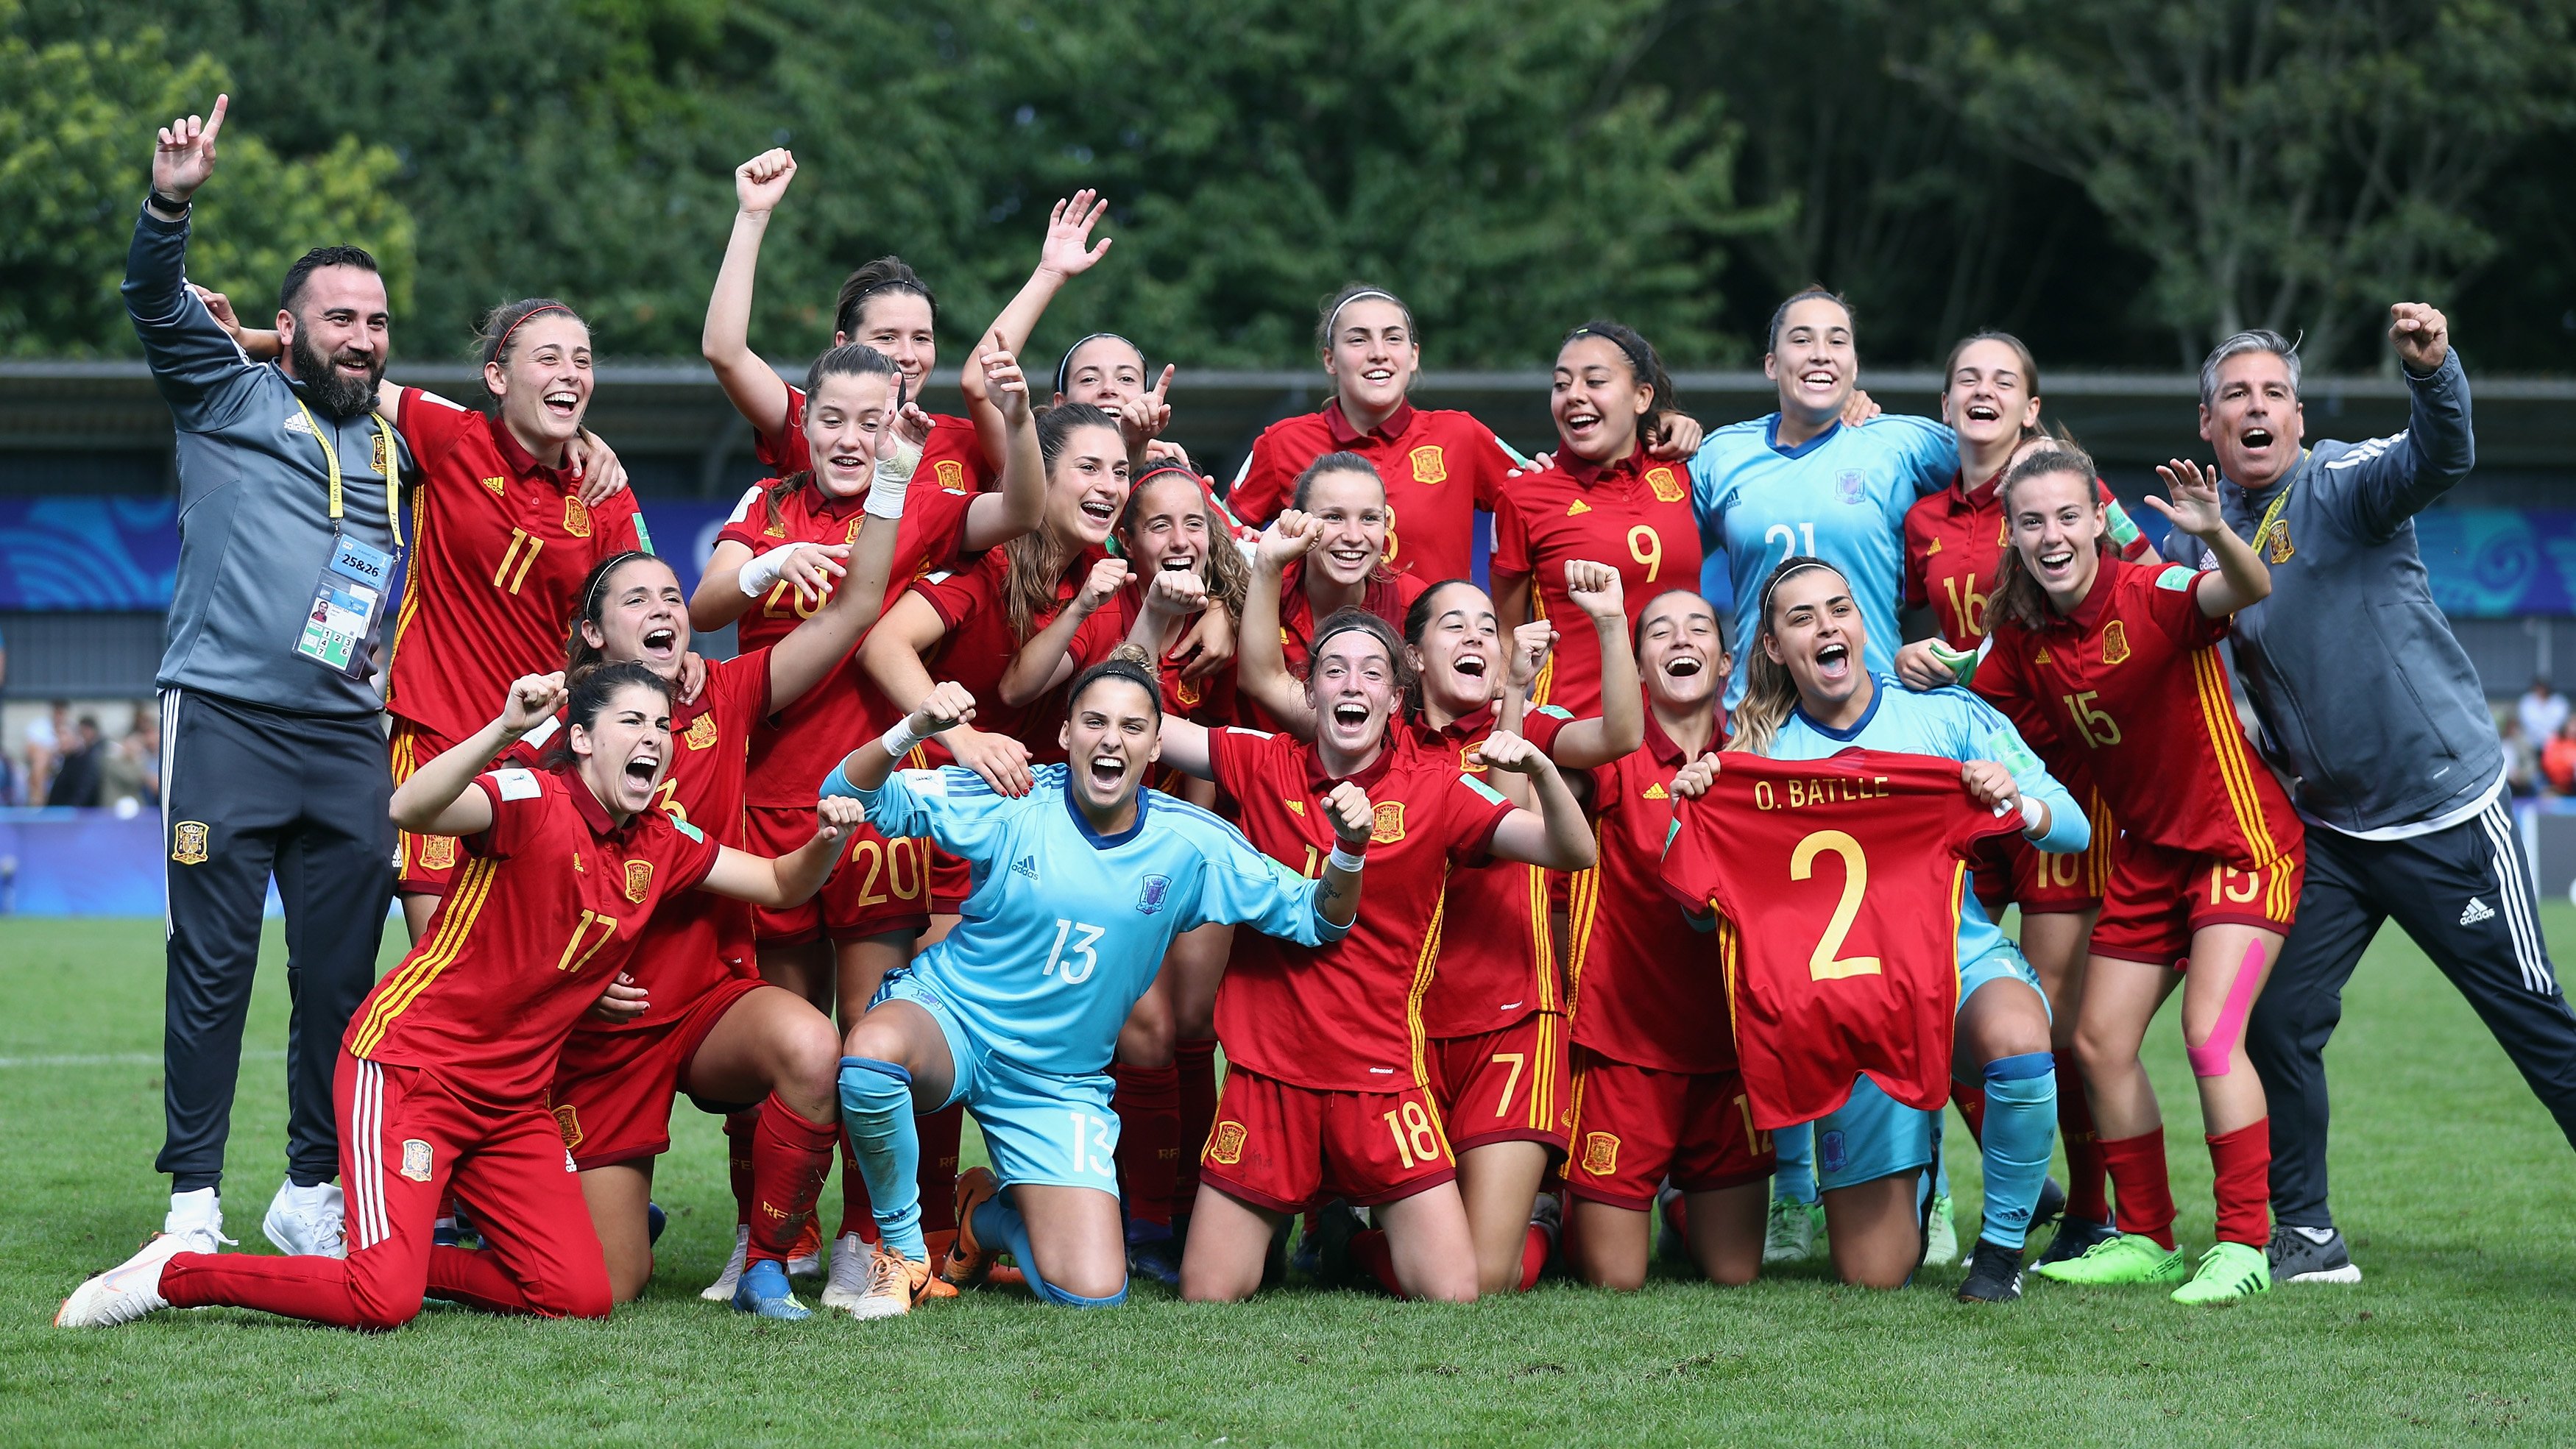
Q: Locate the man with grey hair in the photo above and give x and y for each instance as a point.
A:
(2375, 719)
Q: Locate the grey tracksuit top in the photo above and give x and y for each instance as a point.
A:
(2370, 709)
(254, 498)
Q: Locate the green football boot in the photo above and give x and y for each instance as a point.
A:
(2228, 1272)
(2128, 1258)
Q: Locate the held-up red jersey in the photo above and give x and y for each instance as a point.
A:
(1633, 514)
(1955, 541)
(1439, 468)
(1839, 884)
(2133, 684)
(792, 753)
(1500, 967)
(952, 459)
(545, 912)
(1346, 1017)
(499, 546)
(1646, 988)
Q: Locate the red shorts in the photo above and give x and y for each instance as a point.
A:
(2159, 897)
(879, 886)
(1635, 1126)
(1287, 1148)
(613, 1090)
(2043, 884)
(951, 881)
(1503, 1086)
(423, 864)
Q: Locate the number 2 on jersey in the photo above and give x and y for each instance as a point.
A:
(1827, 963)
(1077, 967)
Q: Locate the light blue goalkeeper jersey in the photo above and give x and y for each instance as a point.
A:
(1840, 496)
(1065, 927)
(1949, 724)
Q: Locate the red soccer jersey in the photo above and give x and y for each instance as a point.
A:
(953, 458)
(1634, 515)
(1346, 1017)
(546, 910)
(2132, 684)
(792, 753)
(979, 646)
(1503, 969)
(1210, 701)
(1950, 567)
(1439, 468)
(1841, 967)
(499, 546)
(1646, 988)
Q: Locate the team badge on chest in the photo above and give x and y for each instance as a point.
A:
(950, 473)
(576, 516)
(1667, 484)
(1428, 466)
(701, 733)
(2277, 547)
(2115, 642)
(1386, 825)
(1150, 898)
(639, 880)
(1851, 485)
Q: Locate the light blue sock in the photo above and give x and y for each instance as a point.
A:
(876, 1110)
(997, 1223)
(1795, 1177)
(2021, 1127)
(1940, 1159)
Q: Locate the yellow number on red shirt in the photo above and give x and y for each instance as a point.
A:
(2097, 729)
(571, 963)
(514, 564)
(1416, 1140)
(1970, 610)
(663, 800)
(1647, 547)
(1827, 963)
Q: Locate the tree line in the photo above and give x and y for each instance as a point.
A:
(2119, 180)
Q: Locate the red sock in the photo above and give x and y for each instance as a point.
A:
(857, 1214)
(2086, 1195)
(2144, 1194)
(1971, 1102)
(1148, 1103)
(1534, 1251)
(2241, 1166)
(791, 1154)
(1369, 1250)
(739, 1129)
(1195, 1061)
(939, 1133)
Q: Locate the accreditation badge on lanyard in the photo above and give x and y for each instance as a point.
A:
(349, 597)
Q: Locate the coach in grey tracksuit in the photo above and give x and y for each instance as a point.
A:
(273, 764)
(2374, 717)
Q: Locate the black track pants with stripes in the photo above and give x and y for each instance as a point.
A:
(249, 793)
(2465, 896)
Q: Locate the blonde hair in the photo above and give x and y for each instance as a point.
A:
(1769, 692)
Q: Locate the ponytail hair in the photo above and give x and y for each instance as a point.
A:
(1643, 364)
(847, 360)
(1769, 693)
(496, 339)
(590, 691)
(2018, 599)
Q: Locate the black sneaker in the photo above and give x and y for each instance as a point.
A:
(2299, 1258)
(1325, 1254)
(2076, 1237)
(1152, 1252)
(1994, 1274)
(2051, 1204)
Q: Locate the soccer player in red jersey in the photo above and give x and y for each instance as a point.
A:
(1493, 1012)
(443, 1073)
(1341, 564)
(774, 565)
(1327, 1092)
(1607, 497)
(2122, 661)
(691, 1012)
(1656, 1092)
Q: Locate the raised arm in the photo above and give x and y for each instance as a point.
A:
(996, 518)
(892, 657)
(1041, 661)
(2393, 484)
(190, 354)
(792, 879)
(751, 384)
(1555, 836)
(1261, 668)
(1066, 254)
(435, 801)
(1621, 729)
(2242, 578)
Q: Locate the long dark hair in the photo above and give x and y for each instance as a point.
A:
(1037, 562)
(1417, 622)
(885, 274)
(2018, 598)
(847, 360)
(590, 690)
(496, 336)
(1643, 364)
(578, 651)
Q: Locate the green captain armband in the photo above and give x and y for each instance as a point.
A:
(2122, 528)
(1962, 664)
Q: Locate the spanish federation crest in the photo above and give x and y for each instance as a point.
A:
(415, 1163)
(701, 732)
(188, 842)
(1428, 466)
(1668, 486)
(1851, 485)
(1600, 1154)
(576, 516)
(639, 880)
(2115, 642)
(1386, 825)
(2277, 546)
(950, 473)
(1149, 899)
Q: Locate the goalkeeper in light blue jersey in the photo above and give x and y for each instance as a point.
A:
(1804, 481)
(1079, 886)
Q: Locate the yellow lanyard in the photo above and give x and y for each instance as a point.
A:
(2274, 512)
(331, 461)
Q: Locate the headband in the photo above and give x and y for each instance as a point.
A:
(1636, 364)
(1333, 319)
(501, 348)
(1064, 364)
(1783, 577)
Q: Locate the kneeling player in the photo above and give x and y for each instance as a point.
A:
(443, 1073)
(1079, 887)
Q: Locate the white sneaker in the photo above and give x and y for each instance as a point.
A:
(127, 1291)
(197, 1217)
(721, 1290)
(1789, 1234)
(307, 1221)
(1941, 1235)
(853, 1265)
(808, 1265)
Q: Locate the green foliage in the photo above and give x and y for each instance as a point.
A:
(76, 126)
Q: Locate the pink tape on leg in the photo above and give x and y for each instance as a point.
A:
(2209, 1059)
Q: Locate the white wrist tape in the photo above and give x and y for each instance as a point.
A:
(2031, 811)
(899, 740)
(761, 573)
(893, 475)
(1342, 859)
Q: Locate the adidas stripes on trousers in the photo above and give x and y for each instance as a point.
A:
(2465, 896)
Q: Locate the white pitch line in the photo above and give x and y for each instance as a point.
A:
(120, 1059)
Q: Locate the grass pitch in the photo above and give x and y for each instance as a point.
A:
(2454, 1187)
